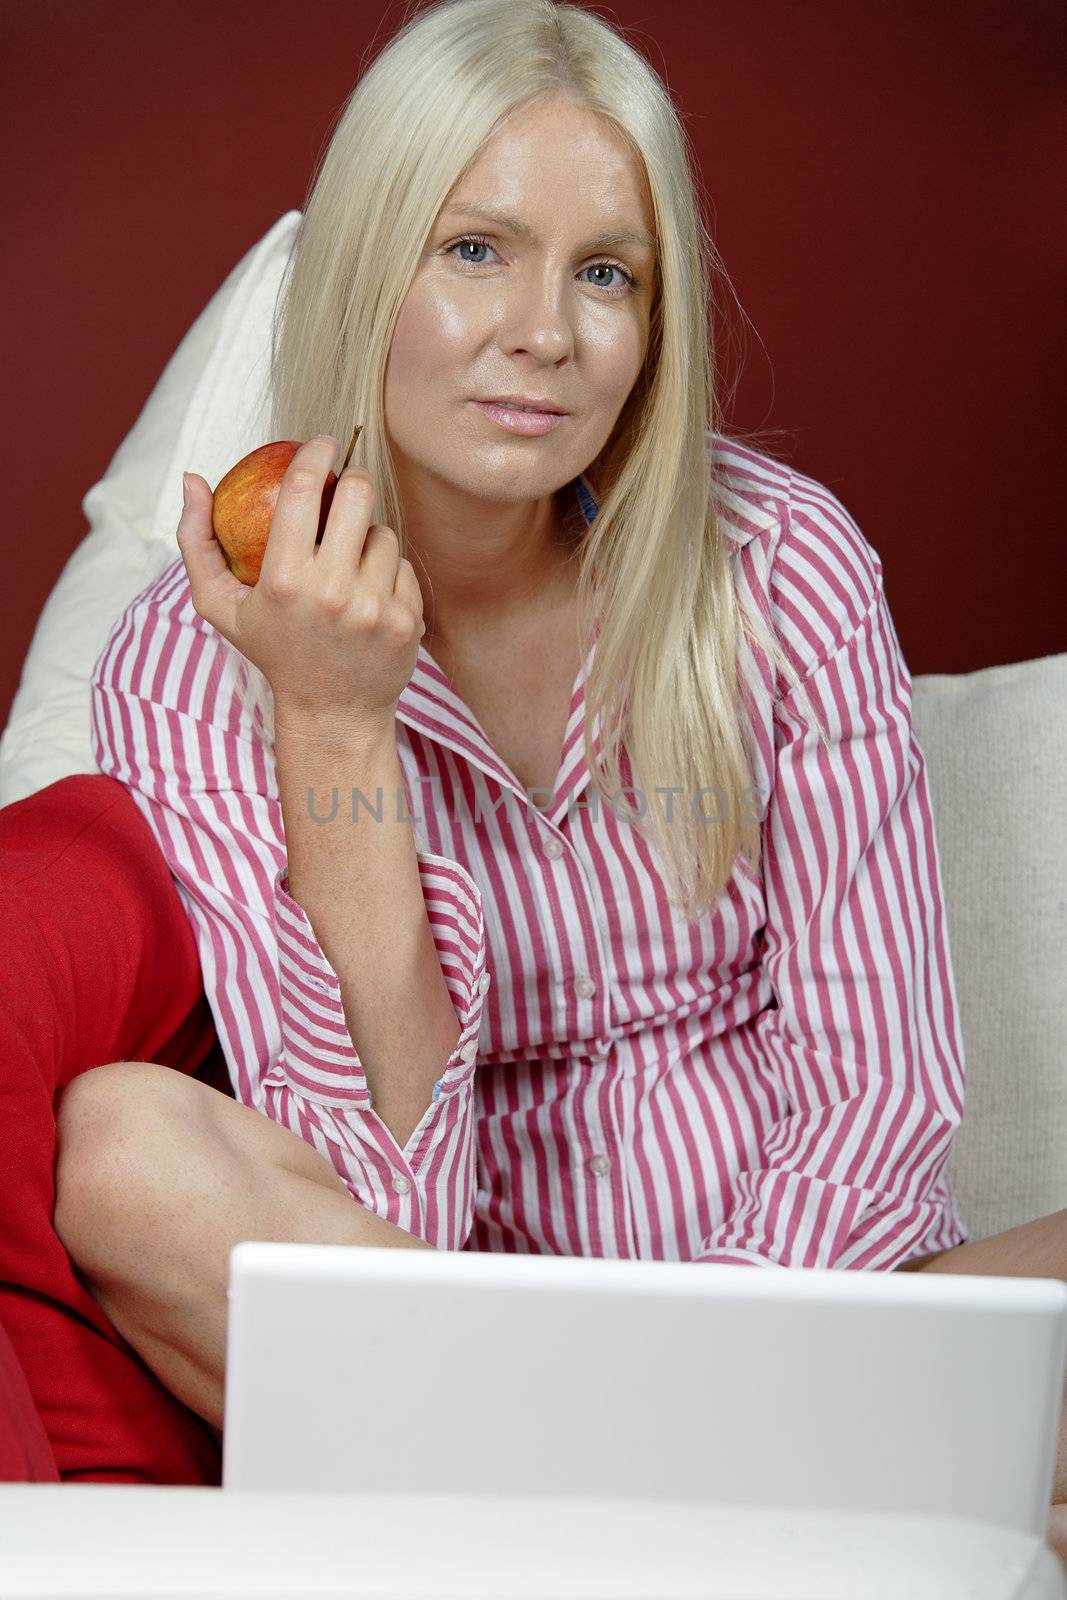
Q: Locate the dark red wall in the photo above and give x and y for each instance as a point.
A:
(883, 184)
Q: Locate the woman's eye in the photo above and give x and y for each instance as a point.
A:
(477, 243)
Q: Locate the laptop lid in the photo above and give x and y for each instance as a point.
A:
(478, 1373)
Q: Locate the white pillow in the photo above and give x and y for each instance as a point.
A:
(997, 763)
(209, 408)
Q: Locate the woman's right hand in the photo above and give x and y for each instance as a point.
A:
(334, 628)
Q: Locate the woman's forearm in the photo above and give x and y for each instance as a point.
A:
(358, 881)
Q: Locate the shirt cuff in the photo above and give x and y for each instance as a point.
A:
(734, 1255)
(320, 1061)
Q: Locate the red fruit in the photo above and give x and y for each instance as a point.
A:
(243, 506)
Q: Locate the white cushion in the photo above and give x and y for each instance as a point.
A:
(209, 408)
(997, 760)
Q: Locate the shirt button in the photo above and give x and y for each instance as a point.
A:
(469, 1052)
(552, 848)
(400, 1183)
(600, 1165)
(585, 987)
(484, 981)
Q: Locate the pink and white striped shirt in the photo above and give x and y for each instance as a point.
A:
(777, 1084)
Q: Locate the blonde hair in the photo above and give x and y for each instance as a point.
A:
(654, 567)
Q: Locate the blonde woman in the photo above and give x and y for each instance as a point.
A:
(554, 833)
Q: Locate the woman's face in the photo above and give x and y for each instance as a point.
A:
(544, 311)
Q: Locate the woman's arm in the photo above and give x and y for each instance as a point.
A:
(171, 720)
(354, 870)
(864, 1037)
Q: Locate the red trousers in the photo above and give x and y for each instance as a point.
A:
(98, 964)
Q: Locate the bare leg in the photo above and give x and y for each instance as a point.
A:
(158, 1177)
(1037, 1249)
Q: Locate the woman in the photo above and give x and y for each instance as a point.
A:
(565, 1002)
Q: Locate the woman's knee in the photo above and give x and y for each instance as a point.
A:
(108, 1108)
(113, 1124)
(134, 1137)
(1036, 1249)
(920, 1263)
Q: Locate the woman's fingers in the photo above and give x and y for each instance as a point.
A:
(214, 588)
(295, 524)
(408, 589)
(331, 628)
(381, 560)
(346, 536)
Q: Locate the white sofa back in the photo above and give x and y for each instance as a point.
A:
(995, 743)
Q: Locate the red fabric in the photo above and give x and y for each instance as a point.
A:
(25, 1454)
(98, 964)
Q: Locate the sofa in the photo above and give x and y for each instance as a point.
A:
(994, 742)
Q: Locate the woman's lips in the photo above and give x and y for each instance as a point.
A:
(527, 423)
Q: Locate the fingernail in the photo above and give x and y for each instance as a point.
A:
(185, 488)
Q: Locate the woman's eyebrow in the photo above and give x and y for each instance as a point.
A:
(522, 230)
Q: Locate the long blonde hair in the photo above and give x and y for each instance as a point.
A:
(654, 568)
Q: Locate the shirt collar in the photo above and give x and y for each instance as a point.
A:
(743, 514)
(429, 705)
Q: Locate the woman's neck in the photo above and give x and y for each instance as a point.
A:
(461, 608)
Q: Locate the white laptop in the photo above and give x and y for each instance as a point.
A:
(505, 1427)
(421, 1372)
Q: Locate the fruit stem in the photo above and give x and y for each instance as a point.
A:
(351, 447)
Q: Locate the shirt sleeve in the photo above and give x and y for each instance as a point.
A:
(863, 1034)
(170, 720)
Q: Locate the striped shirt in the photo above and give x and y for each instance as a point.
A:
(775, 1084)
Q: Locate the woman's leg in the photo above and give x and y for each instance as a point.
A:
(1035, 1249)
(97, 963)
(159, 1176)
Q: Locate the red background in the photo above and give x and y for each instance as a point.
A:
(883, 191)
